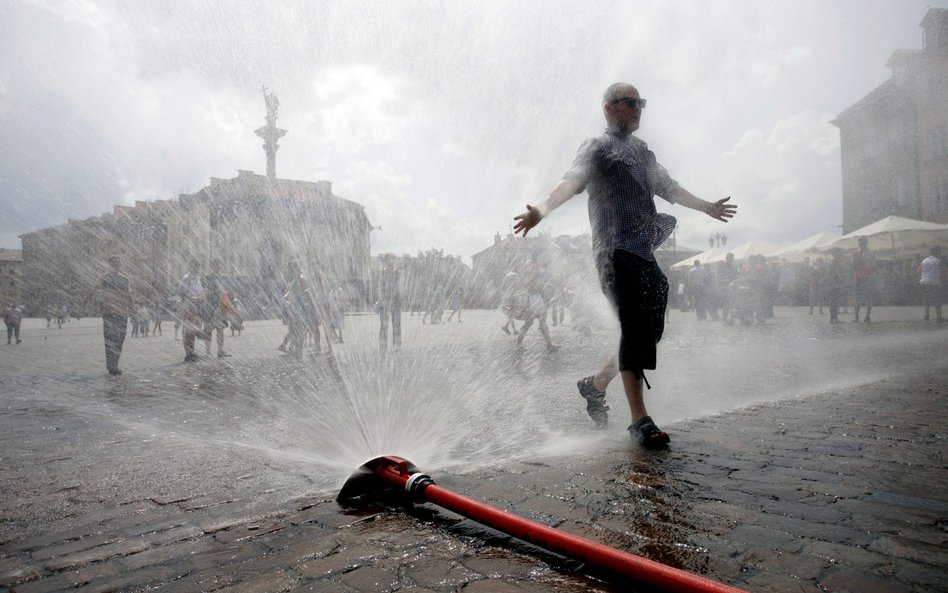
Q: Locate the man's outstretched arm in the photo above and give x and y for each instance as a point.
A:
(719, 210)
(563, 191)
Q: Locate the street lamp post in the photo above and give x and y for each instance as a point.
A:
(718, 239)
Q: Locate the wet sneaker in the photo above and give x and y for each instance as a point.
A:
(648, 435)
(595, 402)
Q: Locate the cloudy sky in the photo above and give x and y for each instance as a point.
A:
(442, 118)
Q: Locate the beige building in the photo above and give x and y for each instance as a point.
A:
(894, 141)
(253, 224)
(11, 276)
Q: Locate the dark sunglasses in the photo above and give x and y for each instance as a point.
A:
(631, 102)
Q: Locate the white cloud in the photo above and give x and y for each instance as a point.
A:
(787, 181)
(442, 121)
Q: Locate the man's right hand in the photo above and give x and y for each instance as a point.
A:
(527, 220)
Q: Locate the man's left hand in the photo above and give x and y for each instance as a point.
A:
(721, 210)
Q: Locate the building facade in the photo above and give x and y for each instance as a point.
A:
(11, 276)
(894, 141)
(253, 224)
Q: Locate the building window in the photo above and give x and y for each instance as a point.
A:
(938, 146)
(940, 199)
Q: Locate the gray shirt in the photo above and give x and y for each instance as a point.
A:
(622, 177)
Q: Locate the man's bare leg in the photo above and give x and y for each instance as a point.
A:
(634, 394)
(606, 374)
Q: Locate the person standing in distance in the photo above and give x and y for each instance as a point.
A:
(622, 177)
(115, 302)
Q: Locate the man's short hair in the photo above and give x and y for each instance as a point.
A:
(612, 93)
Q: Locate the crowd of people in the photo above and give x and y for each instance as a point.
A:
(748, 291)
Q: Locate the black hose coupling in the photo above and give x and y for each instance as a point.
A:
(415, 486)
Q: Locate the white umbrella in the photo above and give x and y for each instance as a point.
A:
(803, 249)
(744, 251)
(895, 235)
(702, 257)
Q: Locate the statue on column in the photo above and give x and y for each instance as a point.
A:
(270, 133)
(273, 106)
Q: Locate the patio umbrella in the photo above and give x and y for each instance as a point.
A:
(799, 251)
(744, 251)
(894, 235)
(702, 257)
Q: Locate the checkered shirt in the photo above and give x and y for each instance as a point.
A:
(622, 177)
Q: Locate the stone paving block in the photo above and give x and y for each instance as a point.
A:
(494, 585)
(301, 535)
(493, 563)
(167, 553)
(817, 512)
(207, 581)
(850, 556)
(911, 550)
(766, 581)
(341, 560)
(371, 579)
(222, 556)
(924, 577)
(97, 554)
(75, 546)
(248, 530)
(904, 500)
(326, 586)
(401, 538)
(274, 582)
(204, 502)
(137, 580)
(845, 580)
(777, 563)
(15, 570)
(804, 528)
(297, 554)
(439, 574)
(548, 506)
(766, 538)
(328, 514)
(175, 534)
(909, 517)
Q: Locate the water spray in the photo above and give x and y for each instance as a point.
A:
(384, 473)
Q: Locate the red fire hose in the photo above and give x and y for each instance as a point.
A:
(403, 474)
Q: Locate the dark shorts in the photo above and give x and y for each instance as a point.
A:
(932, 295)
(638, 292)
(864, 291)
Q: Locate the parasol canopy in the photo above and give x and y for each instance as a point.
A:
(894, 235)
(799, 251)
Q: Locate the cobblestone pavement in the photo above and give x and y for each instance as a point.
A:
(154, 482)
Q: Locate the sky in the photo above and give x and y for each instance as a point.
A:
(444, 119)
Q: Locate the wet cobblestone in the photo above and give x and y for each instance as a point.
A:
(840, 491)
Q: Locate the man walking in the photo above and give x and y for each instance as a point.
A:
(931, 274)
(864, 282)
(390, 305)
(622, 177)
(191, 293)
(699, 282)
(12, 316)
(216, 304)
(115, 302)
